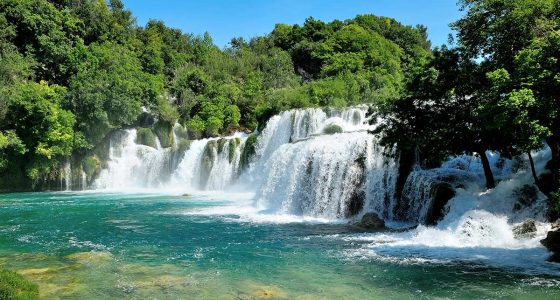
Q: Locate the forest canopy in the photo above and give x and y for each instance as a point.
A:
(73, 71)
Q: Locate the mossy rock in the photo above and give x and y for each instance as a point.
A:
(15, 286)
(209, 155)
(184, 146)
(146, 137)
(233, 144)
(221, 144)
(249, 150)
(164, 131)
(91, 166)
(332, 129)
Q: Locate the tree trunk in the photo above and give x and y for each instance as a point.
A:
(555, 166)
(532, 163)
(490, 184)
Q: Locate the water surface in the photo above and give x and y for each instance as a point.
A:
(103, 245)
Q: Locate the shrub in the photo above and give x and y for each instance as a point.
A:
(15, 286)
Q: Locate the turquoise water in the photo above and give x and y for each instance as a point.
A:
(100, 246)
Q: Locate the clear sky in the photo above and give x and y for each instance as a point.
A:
(225, 19)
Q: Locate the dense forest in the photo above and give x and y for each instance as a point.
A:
(73, 71)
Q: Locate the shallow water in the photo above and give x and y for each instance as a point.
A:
(103, 245)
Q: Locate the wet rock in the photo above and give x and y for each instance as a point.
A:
(332, 129)
(146, 137)
(186, 195)
(371, 221)
(164, 131)
(526, 196)
(525, 229)
(442, 192)
(552, 242)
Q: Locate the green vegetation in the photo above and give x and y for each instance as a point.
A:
(496, 89)
(164, 132)
(249, 149)
(91, 166)
(332, 129)
(15, 286)
(145, 136)
(71, 72)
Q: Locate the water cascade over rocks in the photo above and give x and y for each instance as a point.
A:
(312, 162)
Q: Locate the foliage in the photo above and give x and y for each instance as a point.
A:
(15, 286)
(73, 71)
(164, 132)
(332, 129)
(145, 136)
(496, 90)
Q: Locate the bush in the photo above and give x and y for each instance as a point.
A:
(332, 129)
(145, 136)
(195, 127)
(15, 286)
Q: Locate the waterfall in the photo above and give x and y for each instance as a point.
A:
(209, 164)
(131, 165)
(307, 162)
(299, 170)
(68, 176)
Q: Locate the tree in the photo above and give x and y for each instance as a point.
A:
(109, 90)
(46, 130)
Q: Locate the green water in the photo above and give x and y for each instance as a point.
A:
(138, 246)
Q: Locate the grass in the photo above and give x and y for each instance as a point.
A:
(15, 286)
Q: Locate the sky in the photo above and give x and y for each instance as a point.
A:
(225, 19)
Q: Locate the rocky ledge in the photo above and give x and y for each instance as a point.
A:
(371, 221)
(552, 242)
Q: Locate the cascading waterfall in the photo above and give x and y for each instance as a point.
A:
(209, 164)
(131, 165)
(297, 168)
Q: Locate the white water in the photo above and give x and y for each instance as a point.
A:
(299, 174)
(298, 170)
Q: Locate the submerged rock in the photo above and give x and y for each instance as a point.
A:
(552, 242)
(371, 221)
(528, 228)
(91, 257)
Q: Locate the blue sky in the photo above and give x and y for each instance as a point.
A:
(247, 18)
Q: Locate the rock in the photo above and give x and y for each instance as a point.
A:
(371, 221)
(526, 196)
(527, 228)
(441, 192)
(91, 257)
(164, 131)
(248, 151)
(332, 129)
(552, 243)
(555, 226)
(146, 137)
(186, 195)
